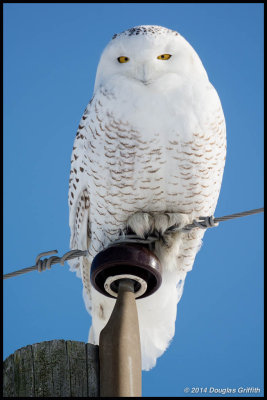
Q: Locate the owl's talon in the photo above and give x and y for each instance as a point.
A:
(160, 236)
(163, 239)
(171, 229)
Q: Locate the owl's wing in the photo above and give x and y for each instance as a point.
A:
(78, 198)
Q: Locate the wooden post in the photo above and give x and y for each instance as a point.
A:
(56, 368)
(119, 348)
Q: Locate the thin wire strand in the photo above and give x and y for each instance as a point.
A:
(224, 218)
(204, 223)
(50, 261)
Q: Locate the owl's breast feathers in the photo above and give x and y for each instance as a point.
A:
(120, 167)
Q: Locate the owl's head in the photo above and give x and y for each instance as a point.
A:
(146, 55)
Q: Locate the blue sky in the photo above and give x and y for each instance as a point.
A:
(51, 52)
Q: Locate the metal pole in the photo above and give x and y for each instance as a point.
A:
(119, 348)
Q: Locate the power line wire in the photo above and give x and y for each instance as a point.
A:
(203, 223)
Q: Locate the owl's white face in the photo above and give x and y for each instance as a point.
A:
(148, 59)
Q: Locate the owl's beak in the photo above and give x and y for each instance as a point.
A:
(145, 74)
(145, 82)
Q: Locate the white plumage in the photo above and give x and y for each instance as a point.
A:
(149, 153)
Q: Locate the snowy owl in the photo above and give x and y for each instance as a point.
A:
(149, 154)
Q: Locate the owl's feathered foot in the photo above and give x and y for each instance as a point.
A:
(161, 225)
(141, 223)
(170, 225)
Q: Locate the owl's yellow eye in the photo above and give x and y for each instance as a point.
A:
(164, 57)
(123, 59)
